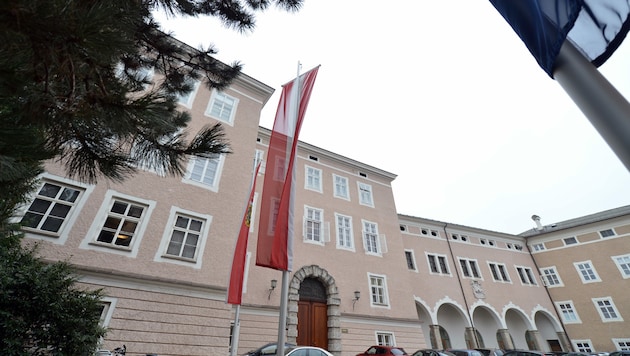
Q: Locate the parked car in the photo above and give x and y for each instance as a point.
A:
(268, 349)
(465, 352)
(491, 352)
(383, 350)
(306, 351)
(620, 353)
(526, 353)
(431, 352)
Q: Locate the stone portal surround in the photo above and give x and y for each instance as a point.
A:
(332, 300)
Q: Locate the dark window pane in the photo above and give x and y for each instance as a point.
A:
(52, 224)
(195, 225)
(60, 210)
(135, 211)
(106, 236)
(181, 222)
(69, 195)
(123, 240)
(49, 190)
(119, 207)
(112, 223)
(31, 219)
(129, 227)
(39, 205)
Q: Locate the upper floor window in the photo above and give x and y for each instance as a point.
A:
(570, 240)
(538, 247)
(526, 275)
(371, 239)
(499, 272)
(378, 290)
(607, 233)
(313, 179)
(623, 263)
(345, 239)
(341, 187)
(437, 264)
(313, 225)
(411, 260)
(607, 309)
(121, 225)
(365, 194)
(187, 99)
(185, 237)
(550, 277)
(568, 313)
(385, 339)
(205, 171)
(51, 207)
(469, 268)
(587, 272)
(222, 107)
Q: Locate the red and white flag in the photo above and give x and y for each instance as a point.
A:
(235, 289)
(275, 231)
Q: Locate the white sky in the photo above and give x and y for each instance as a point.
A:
(441, 93)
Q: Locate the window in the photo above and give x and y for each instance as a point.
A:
(107, 306)
(121, 224)
(622, 344)
(411, 260)
(187, 99)
(550, 277)
(538, 247)
(385, 339)
(365, 194)
(570, 241)
(205, 171)
(371, 240)
(313, 225)
(429, 232)
(607, 233)
(258, 158)
(222, 107)
(607, 310)
(499, 272)
(51, 208)
(437, 264)
(526, 275)
(341, 187)
(313, 179)
(583, 345)
(469, 268)
(623, 263)
(345, 239)
(567, 311)
(185, 237)
(378, 290)
(586, 271)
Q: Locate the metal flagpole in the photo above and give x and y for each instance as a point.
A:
(236, 330)
(607, 110)
(284, 297)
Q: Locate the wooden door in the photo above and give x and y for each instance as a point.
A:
(312, 324)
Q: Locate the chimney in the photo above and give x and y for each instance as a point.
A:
(536, 219)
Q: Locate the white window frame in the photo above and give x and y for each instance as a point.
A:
(381, 337)
(366, 195)
(439, 267)
(610, 308)
(109, 304)
(538, 247)
(622, 344)
(469, 266)
(378, 292)
(90, 242)
(187, 99)
(61, 235)
(526, 276)
(220, 98)
(373, 243)
(346, 226)
(567, 312)
(411, 257)
(314, 229)
(551, 277)
(587, 272)
(585, 345)
(499, 272)
(312, 178)
(341, 188)
(220, 160)
(623, 264)
(605, 232)
(571, 240)
(196, 262)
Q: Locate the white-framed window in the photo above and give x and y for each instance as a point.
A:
(378, 290)
(587, 272)
(341, 187)
(411, 260)
(52, 208)
(623, 263)
(469, 268)
(622, 344)
(526, 275)
(538, 247)
(222, 107)
(107, 305)
(438, 264)
(259, 158)
(365, 194)
(184, 238)
(583, 345)
(607, 233)
(551, 277)
(607, 309)
(187, 99)
(385, 338)
(499, 272)
(429, 232)
(373, 243)
(313, 179)
(313, 225)
(570, 240)
(345, 238)
(205, 172)
(568, 313)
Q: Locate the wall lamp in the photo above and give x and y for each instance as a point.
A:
(274, 283)
(357, 295)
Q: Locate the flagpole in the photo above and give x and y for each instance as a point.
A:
(607, 110)
(236, 331)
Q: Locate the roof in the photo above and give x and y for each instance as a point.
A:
(588, 219)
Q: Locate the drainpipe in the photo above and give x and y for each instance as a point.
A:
(461, 286)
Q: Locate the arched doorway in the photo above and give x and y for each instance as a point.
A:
(312, 327)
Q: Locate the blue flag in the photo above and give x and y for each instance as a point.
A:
(595, 27)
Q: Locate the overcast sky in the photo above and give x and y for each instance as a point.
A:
(441, 93)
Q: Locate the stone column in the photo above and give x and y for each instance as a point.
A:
(535, 341)
(436, 338)
(564, 341)
(505, 339)
(470, 336)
